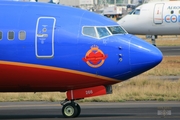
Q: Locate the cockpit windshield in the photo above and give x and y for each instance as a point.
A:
(135, 12)
(116, 30)
(102, 31)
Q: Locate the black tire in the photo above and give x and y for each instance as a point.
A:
(78, 109)
(70, 110)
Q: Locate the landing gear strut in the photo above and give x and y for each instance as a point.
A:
(153, 39)
(70, 109)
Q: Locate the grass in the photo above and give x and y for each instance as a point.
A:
(170, 66)
(40, 96)
(140, 88)
(171, 40)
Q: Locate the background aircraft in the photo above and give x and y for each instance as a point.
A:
(48, 47)
(153, 18)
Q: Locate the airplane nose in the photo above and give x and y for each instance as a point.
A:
(143, 56)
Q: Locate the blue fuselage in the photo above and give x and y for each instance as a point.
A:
(51, 37)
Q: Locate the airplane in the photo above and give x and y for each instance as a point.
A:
(153, 18)
(48, 47)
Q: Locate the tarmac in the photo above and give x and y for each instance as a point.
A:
(150, 110)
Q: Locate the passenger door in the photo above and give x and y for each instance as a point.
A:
(158, 13)
(44, 38)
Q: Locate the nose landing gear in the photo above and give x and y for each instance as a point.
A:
(70, 109)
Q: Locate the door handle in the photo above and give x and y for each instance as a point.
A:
(42, 35)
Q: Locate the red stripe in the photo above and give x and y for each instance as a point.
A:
(21, 77)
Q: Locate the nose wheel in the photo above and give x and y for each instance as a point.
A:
(71, 109)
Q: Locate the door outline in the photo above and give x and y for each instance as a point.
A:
(44, 35)
(158, 13)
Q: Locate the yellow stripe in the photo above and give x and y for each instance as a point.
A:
(57, 69)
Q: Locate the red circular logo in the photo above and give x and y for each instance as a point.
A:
(94, 57)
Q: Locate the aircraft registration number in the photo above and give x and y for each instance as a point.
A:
(88, 92)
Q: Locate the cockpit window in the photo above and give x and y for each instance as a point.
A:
(131, 12)
(89, 31)
(116, 30)
(136, 12)
(102, 31)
